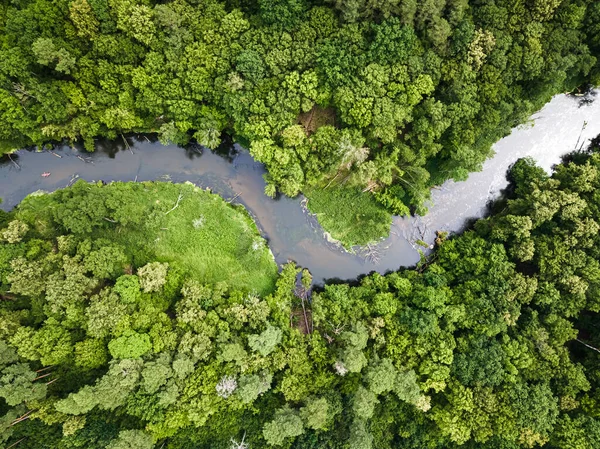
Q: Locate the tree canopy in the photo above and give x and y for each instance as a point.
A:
(490, 342)
(383, 97)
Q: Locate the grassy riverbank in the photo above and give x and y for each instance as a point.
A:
(349, 215)
(490, 343)
(208, 238)
(390, 96)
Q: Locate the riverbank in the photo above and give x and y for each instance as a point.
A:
(503, 314)
(290, 232)
(564, 125)
(191, 229)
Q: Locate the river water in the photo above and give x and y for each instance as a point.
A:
(292, 233)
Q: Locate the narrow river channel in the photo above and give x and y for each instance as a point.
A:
(293, 234)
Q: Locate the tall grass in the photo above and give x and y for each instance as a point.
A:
(351, 216)
(208, 237)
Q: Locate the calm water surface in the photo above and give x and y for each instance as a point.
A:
(293, 234)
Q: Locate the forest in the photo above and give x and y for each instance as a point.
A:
(382, 99)
(152, 315)
(110, 340)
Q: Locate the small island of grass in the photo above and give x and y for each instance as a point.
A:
(181, 224)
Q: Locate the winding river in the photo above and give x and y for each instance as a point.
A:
(558, 128)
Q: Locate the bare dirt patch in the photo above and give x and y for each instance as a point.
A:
(302, 320)
(317, 117)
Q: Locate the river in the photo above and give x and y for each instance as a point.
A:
(293, 234)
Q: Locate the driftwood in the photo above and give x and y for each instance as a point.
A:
(240, 445)
(336, 330)
(22, 418)
(176, 204)
(308, 330)
(234, 198)
(372, 254)
(580, 133)
(12, 160)
(73, 179)
(334, 178)
(370, 187)
(85, 160)
(126, 143)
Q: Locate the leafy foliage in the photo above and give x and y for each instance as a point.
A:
(482, 345)
(382, 97)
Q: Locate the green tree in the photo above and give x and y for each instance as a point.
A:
(132, 439)
(360, 438)
(282, 13)
(252, 386)
(15, 231)
(363, 403)
(285, 424)
(250, 65)
(90, 353)
(381, 376)
(130, 346)
(83, 17)
(316, 414)
(17, 384)
(265, 342)
(153, 276)
(107, 262)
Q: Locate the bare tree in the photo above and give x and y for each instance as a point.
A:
(226, 386)
(240, 445)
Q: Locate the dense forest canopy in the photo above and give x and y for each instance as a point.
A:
(387, 96)
(106, 341)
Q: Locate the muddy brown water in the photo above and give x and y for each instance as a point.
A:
(291, 232)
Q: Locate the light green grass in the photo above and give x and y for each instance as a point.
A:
(223, 244)
(351, 216)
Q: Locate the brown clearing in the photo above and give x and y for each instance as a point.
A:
(315, 118)
(299, 320)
